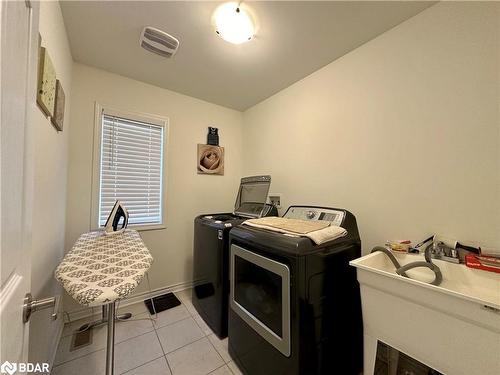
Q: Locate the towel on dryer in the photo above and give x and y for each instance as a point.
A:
(318, 231)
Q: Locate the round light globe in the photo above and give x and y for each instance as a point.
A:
(233, 24)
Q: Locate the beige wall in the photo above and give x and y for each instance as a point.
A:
(403, 131)
(187, 193)
(49, 208)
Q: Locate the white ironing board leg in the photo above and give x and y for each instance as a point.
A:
(110, 348)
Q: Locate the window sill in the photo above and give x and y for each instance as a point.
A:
(147, 227)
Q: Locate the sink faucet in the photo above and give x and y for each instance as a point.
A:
(438, 250)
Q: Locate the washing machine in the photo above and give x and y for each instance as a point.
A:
(295, 306)
(211, 250)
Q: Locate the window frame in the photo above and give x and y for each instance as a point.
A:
(101, 110)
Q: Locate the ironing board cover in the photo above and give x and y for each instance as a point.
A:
(101, 268)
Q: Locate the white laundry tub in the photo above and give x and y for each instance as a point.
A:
(453, 328)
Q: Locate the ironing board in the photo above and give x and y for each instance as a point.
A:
(102, 269)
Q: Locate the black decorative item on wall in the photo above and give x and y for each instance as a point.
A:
(213, 136)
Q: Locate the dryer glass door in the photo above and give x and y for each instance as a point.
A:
(260, 295)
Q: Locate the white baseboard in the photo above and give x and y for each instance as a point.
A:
(134, 298)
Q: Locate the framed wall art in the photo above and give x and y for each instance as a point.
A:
(58, 117)
(210, 159)
(46, 88)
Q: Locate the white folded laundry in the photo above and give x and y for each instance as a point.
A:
(319, 236)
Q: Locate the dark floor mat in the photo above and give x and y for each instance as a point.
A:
(162, 303)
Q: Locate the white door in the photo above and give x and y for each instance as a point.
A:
(18, 61)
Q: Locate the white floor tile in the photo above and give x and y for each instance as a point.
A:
(128, 355)
(184, 295)
(201, 323)
(157, 367)
(224, 370)
(91, 364)
(136, 352)
(170, 316)
(220, 346)
(136, 309)
(190, 307)
(198, 358)
(179, 334)
(135, 326)
(234, 368)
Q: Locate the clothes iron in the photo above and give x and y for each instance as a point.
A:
(114, 220)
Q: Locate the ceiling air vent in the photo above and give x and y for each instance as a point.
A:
(159, 42)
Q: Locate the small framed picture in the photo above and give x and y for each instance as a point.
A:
(58, 117)
(46, 83)
(210, 159)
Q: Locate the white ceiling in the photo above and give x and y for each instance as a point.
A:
(294, 39)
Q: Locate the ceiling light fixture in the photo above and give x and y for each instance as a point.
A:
(233, 23)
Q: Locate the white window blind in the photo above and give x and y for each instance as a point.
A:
(131, 169)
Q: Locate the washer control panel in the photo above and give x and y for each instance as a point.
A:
(336, 217)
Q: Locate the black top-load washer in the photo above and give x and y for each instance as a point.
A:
(295, 306)
(211, 250)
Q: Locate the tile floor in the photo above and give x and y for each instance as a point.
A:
(177, 343)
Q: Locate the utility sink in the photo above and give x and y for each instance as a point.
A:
(453, 328)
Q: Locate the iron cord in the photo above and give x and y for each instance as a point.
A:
(152, 304)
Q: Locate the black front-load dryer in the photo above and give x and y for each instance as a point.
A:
(211, 250)
(295, 306)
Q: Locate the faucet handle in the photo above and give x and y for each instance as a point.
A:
(443, 252)
(438, 249)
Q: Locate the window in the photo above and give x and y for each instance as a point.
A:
(131, 154)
